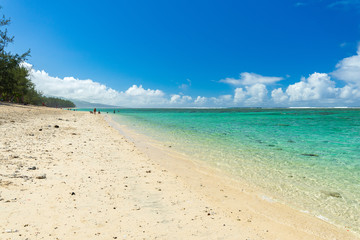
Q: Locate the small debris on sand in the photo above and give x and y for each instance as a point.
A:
(43, 176)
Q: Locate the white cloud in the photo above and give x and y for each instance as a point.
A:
(279, 96)
(252, 95)
(177, 99)
(239, 95)
(70, 87)
(222, 101)
(134, 96)
(200, 100)
(231, 81)
(348, 69)
(251, 79)
(140, 91)
(257, 93)
(88, 90)
(316, 86)
(349, 92)
(318, 89)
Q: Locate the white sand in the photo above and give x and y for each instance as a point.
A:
(99, 185)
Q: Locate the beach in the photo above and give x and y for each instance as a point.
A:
(73, 175)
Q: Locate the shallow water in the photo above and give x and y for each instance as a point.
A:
(307, 158)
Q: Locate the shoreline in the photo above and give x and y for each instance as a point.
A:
(194, 171)
(91, 182)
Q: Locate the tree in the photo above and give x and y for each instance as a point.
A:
(5, 39)
(15, 84)
(13, 77)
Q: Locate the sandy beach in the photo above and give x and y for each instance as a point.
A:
(72, 175)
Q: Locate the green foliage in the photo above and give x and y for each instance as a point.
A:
(5, 39)
(14, 82)
(15, 85)
(57, 102)
(13, 77)
(33, 97)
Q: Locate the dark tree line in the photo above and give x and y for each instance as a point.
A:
(15, 83)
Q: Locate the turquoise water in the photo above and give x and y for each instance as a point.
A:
(307, 158)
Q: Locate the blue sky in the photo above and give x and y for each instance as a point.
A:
(172, 53)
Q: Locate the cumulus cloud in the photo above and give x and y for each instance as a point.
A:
(279, 96)
(251, 79)
(200, 100)
(140, 91)
(349, 92)
(316, 86)
(257, 93)
(251, 95)
(239, 95)
(178, 99)
(88, 90)
(135, 96)
(222, 101)
(318, 89)
(348, 69)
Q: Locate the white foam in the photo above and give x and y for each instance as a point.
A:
(323, 218)
(268, 199)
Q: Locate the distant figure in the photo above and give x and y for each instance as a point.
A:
(98, 112)
(95, 111)
(114, 111)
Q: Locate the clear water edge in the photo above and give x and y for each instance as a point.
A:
(305, 158)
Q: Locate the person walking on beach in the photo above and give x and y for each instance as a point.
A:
(94, 110)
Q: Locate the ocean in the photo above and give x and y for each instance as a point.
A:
(306, 158)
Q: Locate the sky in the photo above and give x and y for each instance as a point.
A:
(172, 53)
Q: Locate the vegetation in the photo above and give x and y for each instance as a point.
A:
(57, 102)
(15, 83)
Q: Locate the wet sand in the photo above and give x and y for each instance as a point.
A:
(70, 175)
